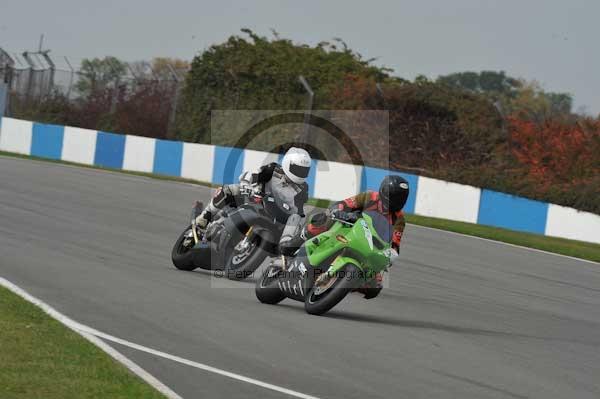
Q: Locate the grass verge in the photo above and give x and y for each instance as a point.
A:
(41, 358)
(563, 246)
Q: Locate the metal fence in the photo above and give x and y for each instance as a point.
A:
(33, 78)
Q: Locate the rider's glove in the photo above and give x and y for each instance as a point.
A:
(257, 190)
(337, 214)
(245, 188)
(350, 217)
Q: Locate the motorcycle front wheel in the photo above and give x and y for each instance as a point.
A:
(245, 256)
(181, 254)
(328, 291)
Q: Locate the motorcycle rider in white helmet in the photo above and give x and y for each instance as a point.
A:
(286, 181)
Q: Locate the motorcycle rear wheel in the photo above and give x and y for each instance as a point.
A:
(241, 265)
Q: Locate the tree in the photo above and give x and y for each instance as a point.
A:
(255, 72)
(492, 83)
(560, 103)
(514, 96)
(533, 103)
(163, 67)
(160, 69)
(464, 80)
(99, 73)
(433, 128)
(561, 159)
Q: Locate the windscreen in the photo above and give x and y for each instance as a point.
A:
(382, 227)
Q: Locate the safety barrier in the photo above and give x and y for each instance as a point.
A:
(328, 180)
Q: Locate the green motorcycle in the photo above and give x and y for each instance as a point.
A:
(345, 258)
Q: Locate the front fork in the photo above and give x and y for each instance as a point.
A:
(196, 210)
(246, 242)
(194, 233)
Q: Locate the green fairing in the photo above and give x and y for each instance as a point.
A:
(369, 258)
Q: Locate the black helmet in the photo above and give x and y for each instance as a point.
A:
(393, 192)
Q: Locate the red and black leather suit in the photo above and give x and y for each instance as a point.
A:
(366, 201)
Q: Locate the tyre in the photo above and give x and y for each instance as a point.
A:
(243, 258)
(267, 291)
(329, 291)
(181, 254)
(370, 293)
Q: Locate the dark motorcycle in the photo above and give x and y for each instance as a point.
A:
(237, 240)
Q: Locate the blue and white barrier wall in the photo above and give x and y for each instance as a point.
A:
(328, 180)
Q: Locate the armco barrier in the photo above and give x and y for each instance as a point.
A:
(227, 165)
(168, 156)
(335, 180)
(198, 161)
(329, 180)
(16, 136)
(255, 159)
(139, 154)
(571, 223)
(371, 178)
(79, 145)
(441, 199)
(110, 150)
(47, 141)
(512, 212)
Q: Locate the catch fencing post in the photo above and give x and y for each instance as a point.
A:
(173, 113)
(52, 70)
(29, 75)
(311, 95)
(6, 75)
(3, 97)
(381, 94)
(115, 94)
(70, 78)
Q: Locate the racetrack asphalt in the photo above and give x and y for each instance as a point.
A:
(462, 317)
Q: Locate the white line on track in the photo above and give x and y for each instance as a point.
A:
(97, 337)
(73, 325)
(197, 365)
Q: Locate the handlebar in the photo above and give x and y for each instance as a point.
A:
(250, 194)
(345, 217)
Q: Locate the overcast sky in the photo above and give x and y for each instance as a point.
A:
(553, 41)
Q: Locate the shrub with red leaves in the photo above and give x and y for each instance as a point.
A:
(556, 153)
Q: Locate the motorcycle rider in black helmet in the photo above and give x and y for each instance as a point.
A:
(389, 201)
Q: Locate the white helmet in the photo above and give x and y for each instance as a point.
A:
(296, 164)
